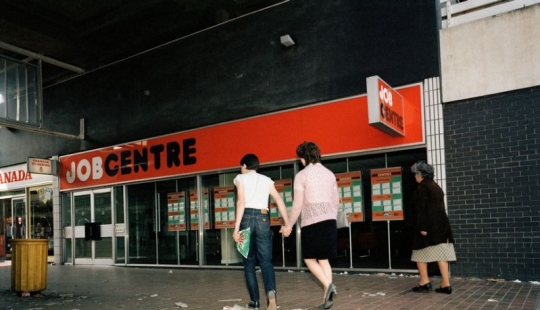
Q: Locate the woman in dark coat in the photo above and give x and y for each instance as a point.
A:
(432, 236)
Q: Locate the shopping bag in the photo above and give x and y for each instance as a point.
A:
(341, 220)
(243, 245)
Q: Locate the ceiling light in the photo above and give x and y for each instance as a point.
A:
(287, 40)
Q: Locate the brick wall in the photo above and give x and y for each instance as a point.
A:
(493, 184)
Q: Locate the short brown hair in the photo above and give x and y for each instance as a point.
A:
(309, 151)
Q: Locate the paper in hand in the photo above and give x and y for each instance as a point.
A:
(243, 245)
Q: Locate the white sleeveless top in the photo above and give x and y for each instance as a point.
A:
(256, 189)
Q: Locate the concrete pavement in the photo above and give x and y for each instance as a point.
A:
(98, 287)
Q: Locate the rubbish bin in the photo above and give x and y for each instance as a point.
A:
(29, 265)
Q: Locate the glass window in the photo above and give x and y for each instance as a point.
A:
(120, 250)
(102, 208)
(41, 215)
(159, 223)
(283, 249)
(167, 236)
(19, 89)
(212, 235)
(142, 223)
(66, 225)
(82, 210)
(377, 244)
(119, 204)
(220, 248)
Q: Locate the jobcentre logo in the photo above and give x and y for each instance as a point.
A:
(388, 114)
(133, 159)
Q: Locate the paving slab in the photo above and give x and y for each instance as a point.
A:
(109, 287)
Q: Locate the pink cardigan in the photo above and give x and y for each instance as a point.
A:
(316, 196)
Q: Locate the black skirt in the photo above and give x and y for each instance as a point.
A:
(319, 240)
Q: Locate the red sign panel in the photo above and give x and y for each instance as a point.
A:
(386, 107)
(338, 127)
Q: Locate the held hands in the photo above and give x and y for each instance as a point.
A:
(286, 231)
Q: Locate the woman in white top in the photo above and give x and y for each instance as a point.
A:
(253, 190)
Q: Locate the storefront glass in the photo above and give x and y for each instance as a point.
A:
(41, 215)
(163, 218)
(372, 243)
(8, 199)
(68, 229)
(118, 193)
(158, 220)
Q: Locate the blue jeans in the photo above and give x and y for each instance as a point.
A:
(260, 250)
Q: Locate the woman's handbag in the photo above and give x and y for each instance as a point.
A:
(341, 220)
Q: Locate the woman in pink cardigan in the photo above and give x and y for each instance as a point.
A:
(316, 200)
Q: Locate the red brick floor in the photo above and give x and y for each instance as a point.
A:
(85, 287)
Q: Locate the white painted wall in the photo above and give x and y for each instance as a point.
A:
(491, 55)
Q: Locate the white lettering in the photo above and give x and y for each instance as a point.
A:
(385, 95)
(84, 164)
(97, 163)
(70, 175)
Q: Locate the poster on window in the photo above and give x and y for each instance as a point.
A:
(386, 194)
(350, 195)
(176, 211)
(285, 189)
(224, 206)
(194, 210)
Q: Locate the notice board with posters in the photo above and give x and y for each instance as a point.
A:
(224, 206)
(194, 219)
(350, 194)
(176, 211)
(285, 189)
(387, 194)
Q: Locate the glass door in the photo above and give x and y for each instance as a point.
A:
(13, 223)
(93, 207)
(143, 223)
(18, 212)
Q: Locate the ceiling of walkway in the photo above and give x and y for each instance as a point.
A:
(75, 35)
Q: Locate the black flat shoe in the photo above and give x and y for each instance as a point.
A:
(422, 288)
(444, 290)
(254, 304)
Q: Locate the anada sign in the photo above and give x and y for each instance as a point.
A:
(385, 107)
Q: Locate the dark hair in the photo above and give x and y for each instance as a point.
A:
(309, 151)
(251, 161)
(423, 169)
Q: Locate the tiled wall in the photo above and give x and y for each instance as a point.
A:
(493, 184)
(433, 115)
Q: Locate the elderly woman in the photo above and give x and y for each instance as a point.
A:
(432, 235)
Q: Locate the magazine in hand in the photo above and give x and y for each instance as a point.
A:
(243, 245)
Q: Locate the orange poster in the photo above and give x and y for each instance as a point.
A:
(224, 206)
(194, 210)
(350, 195)
(176, 211)
(285, 189)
